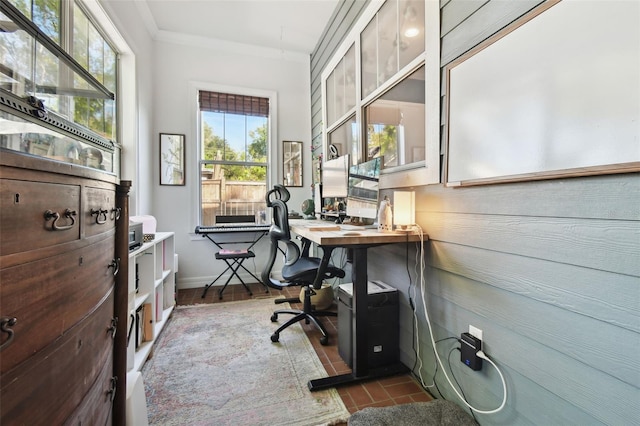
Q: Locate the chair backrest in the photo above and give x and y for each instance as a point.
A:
(276, 199)
(302, 272)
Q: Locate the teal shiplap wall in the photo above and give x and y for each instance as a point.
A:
(346, 13)
(549, 270)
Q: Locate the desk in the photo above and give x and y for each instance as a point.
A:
(328, 240)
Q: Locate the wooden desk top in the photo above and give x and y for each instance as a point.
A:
(329, 234)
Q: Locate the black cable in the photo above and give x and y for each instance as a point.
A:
(413, 310)
(436, 369)
(456, 380)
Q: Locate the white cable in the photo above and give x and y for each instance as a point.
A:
(435, 350)
(420, 263)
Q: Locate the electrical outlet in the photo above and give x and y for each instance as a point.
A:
(476, 332)
(469, 347)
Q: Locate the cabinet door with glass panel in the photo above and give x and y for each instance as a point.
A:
(384, 114)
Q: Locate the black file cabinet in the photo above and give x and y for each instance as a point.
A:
(382, 324)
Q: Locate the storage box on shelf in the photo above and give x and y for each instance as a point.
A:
(151, 295)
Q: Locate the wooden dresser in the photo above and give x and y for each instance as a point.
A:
(58, 267)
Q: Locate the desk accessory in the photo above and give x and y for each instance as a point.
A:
(385, 216)
(405, 210)
(308, 208)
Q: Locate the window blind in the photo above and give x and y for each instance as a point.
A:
(233, 104)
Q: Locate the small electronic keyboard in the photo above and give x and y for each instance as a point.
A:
(232, 227)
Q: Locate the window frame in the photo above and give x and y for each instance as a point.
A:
(413, 174)
(13, 104)
(273, 151)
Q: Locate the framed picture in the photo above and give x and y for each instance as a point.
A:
(292, 163)
(172, 159)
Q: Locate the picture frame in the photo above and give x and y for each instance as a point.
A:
(292, 163)
(172, 168)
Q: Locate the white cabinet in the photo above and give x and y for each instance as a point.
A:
(152, 289)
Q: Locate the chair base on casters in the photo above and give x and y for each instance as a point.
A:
(307, 314)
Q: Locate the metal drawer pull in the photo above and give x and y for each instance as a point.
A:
(115, 213)
(113, 328)
(68, 213)
(100, 213)
(112, 388)
(115, 264)
(5, 323)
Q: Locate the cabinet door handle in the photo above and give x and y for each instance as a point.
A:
(68, 213)
(113, 327)
(112, 388)
(99, 213)
(5, 323)
(115, 264)
(115, 213)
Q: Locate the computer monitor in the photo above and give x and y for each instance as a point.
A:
(335, 177)
(362, 201)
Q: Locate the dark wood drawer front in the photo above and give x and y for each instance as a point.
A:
(23, 221)
(49, 296)
(99, 211)
(75, 362)
(96, 407)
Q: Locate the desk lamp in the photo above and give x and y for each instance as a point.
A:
(404, 215)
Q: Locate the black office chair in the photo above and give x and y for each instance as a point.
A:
(299, 270)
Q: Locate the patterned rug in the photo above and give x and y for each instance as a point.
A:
(216, 365)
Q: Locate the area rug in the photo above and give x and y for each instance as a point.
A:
(215, 364)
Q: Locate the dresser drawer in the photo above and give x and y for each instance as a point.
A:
(99, 210)
(34, 215)
(51, 295)
(74, 362)
(96, 408)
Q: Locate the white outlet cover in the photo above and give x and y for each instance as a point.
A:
(474, 331)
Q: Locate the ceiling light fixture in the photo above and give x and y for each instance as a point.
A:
(411, 32)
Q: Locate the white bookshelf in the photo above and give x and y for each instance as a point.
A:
(151, 282)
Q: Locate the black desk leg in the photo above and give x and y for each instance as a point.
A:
(350, 378)
(360, 312)
(360, 371)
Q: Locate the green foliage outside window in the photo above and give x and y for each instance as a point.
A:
(218, 149)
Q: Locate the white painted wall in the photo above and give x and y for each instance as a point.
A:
(177, 66)
(136, 101)
(157, 83)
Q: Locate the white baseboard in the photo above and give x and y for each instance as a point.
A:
(199, 282)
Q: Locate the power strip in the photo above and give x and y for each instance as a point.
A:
(469, 347)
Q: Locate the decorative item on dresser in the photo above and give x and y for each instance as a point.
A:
(58, 300)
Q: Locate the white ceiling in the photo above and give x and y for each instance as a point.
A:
(284, 25)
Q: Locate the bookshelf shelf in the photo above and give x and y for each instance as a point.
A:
(151, 295)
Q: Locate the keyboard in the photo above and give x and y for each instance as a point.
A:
(232, 227)
(346, 227)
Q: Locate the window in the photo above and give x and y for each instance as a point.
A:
(395, 123)
(345, 139)
(391, 40)
(54, 58)
(93, 52)
(234, 140)
(397, 92)
(341, 87)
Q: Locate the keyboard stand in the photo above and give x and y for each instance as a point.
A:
(233, 258)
